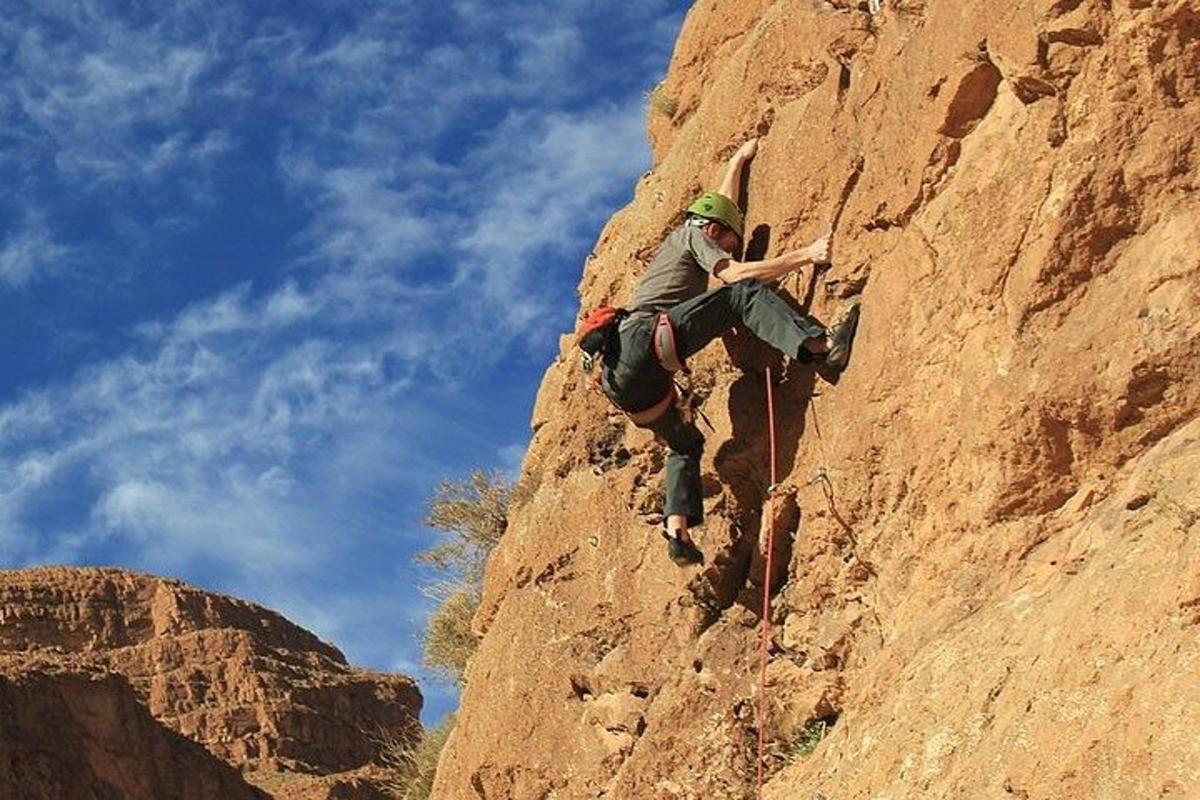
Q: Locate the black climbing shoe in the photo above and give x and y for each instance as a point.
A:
(841, 335)
(684, 554)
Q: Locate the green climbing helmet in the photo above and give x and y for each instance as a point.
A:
(715, 206)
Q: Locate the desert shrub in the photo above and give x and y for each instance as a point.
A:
(661, 103)
(413, 764)
(449, 641)
(474, 515)
(805, 742)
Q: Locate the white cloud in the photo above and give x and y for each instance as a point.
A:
(268, 432)
(29, 252)
(108, 100)
(548, 200)
(242, 528)
(510, 458)
(544, 53)
(230, 441)
(277, 481)
(369, 220)
(533, 194)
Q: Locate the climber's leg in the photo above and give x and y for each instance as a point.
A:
(700, 320)
(684, 505)
(686, 443)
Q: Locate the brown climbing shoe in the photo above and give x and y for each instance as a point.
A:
(841, 336)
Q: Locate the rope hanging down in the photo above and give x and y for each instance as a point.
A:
(765, 636)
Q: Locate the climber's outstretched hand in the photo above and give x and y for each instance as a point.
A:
(748, 150)
(818, 250)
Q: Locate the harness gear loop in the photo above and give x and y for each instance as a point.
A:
(765, 636)
(664, 345)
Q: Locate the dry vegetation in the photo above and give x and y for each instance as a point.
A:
(472, 515)
(659, 102)
(414, 764)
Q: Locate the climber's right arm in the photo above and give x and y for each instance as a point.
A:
(770, 269)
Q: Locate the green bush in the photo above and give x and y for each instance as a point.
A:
(805, 742)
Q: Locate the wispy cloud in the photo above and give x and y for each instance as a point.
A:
(438, 172)
(553, 179)
(109, 96)
(29, 251)
(477, 244)
(229, 441)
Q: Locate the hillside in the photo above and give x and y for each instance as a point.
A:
(989, 523)
(115, 684)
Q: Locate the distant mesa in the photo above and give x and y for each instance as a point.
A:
(115, 684)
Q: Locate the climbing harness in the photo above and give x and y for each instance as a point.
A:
(650, 415)
(664, 345)
(594, 335)
(765, 636)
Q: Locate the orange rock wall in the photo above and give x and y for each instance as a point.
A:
(989, 523)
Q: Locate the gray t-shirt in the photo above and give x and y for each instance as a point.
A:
(679, 270)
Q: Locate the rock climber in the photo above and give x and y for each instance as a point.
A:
(673, 315)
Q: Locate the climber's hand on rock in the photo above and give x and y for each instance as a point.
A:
(747, 150)
(818, 251)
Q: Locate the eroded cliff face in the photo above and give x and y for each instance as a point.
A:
(989, 523)
(83, 734)
(109, 652)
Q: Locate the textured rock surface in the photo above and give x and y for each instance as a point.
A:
(990, 521)
(257, 691)
(83, 734)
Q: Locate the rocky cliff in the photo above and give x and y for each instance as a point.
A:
(83, 734)
(988, 525)
(180, 684)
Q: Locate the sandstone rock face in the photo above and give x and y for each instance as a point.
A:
(83, 734)
(989, 522)
(257, 691)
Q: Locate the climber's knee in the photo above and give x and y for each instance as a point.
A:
(690, 443)
(685, 441)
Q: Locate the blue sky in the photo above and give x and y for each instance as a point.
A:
(270, 271)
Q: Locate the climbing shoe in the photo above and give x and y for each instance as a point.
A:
(683, 553)
(841, 335)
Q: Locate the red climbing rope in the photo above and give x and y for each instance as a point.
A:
(765, 636)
